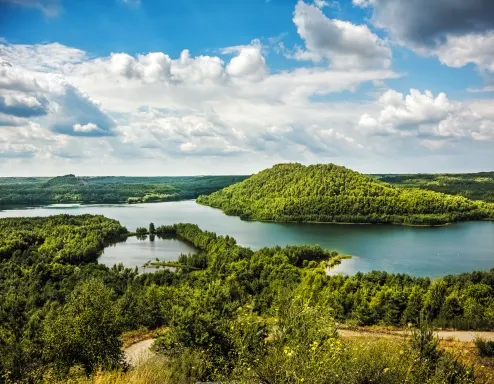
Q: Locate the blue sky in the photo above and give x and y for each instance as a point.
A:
(195, 87)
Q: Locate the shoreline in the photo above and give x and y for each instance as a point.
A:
(337, 222)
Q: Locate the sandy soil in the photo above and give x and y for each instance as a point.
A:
(139, 352)
(464, 336)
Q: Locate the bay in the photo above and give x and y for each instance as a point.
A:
(419, 251)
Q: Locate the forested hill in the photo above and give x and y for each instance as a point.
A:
(331, 193)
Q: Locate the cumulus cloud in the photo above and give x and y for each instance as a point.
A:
(425, 22)
(42, 57)
(249, 62)
(344, 44)
(20, 105)
(76, 109)
(458, 51)
(423, 115)
(28, 91)
(459, 32)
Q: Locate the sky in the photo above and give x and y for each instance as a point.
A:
(159, 87)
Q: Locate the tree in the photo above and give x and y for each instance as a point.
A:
(84, 331)
(152, 230)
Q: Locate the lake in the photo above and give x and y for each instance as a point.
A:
(420, 251)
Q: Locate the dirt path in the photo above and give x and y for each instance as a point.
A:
(464, 336)
(139, 353)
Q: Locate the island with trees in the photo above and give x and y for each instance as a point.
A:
(331, 193)
(226, 313)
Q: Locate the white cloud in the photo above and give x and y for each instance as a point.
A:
(87, 128)
(321, 3)
(21, 105)
(474, 48)
(423, 115)
(344, 44)
(458, 32)
(249, 62)
(42, 57)
(27, 90)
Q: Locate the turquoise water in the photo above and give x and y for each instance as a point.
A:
(420, 251)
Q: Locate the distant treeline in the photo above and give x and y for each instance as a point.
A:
(475, 186)
(72, 189)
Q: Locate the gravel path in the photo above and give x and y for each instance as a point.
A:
(139, 353)
(465, 336)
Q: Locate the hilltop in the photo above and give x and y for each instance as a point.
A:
(331, 193)
(63, 180)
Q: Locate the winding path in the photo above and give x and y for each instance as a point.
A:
(140, 352)
(463, 336)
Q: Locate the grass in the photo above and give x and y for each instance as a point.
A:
(469, 354)
(371, 356)
(152, 372)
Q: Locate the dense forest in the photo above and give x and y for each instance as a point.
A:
(111, 189)
(331, 193)
(474, 186)
(266, 316)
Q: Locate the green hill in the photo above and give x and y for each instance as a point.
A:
(63, 180)
(331, 193)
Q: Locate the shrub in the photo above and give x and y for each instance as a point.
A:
(485, 347)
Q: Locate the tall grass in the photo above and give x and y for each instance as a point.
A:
(152, 372)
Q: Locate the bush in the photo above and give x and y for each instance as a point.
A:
(485, 347)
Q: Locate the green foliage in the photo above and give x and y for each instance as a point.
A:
(330, 193)
(397, 299)
(141, 231)
(475, 186)
(485, 347)
(231, 313)
(132, 190)
(84, 331)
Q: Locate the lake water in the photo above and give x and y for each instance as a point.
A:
(420, 251)
(136, 252)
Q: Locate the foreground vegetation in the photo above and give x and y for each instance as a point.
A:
(267, 316)
(72, 189)
(330, 193)
(474, 186)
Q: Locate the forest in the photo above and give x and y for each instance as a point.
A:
(331, 193)
(229, 313)
(111, 189)
(474, 186)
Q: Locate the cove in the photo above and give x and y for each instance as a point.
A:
(419, 251)
(135, 252)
